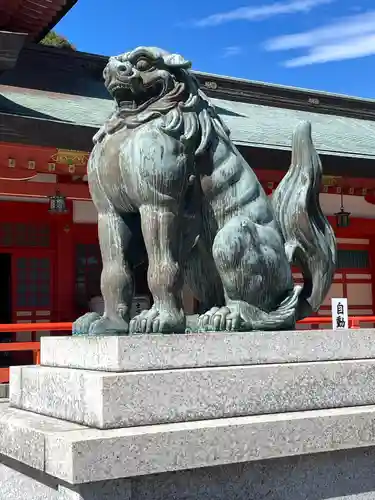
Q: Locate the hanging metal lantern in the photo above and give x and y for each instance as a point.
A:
(57, 204)
(342, 217)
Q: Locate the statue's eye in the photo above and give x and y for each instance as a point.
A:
(143, 65)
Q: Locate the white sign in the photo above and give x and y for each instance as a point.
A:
(340, 314)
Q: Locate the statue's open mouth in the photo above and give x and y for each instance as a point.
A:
(134, 97)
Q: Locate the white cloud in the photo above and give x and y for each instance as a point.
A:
(352, 49)
(233, 50)
(261, 12)
(346, 38)
(346, 27)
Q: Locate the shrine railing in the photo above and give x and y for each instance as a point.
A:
(27, 346)
(34, 347)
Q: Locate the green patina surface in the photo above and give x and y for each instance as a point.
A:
(250, 124)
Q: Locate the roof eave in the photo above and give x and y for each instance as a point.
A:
(65, 9)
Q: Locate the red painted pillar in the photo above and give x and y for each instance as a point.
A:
(372, 267)
(64, 275)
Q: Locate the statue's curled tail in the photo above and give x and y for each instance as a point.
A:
(309, 239)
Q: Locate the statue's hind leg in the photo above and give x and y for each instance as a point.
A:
(116, 280)
(256, 277)
(201, 276)
(162, 236)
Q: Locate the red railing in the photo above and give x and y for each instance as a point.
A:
(354, 322)
(27, 346)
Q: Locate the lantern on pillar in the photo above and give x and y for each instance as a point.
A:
(57, 204)
(342, 217)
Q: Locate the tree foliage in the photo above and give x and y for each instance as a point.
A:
(52, 39)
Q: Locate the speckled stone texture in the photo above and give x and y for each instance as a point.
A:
(81, 455)
(114, 400)
(321, 454)
(102, 490)
(18, 482)
(330, 476)
(4, 391)
(155, 352)
(22, 434)
(343, 475)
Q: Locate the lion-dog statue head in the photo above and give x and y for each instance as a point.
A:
(149, 83)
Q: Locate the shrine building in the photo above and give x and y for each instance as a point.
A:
(52, 102)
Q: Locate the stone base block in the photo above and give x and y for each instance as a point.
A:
(161, 352)
(4, 391)
(342, 475)
(113, 400)
(211, 440)
(75, 454)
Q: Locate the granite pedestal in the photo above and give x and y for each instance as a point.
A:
(263, 415)
(4, 391)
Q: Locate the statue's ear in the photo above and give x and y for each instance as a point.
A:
(176, 61)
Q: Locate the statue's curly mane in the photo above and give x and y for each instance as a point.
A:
(187, 114)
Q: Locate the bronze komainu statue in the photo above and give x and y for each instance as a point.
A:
(205, 219)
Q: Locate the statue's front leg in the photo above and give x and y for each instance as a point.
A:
(116, 280)
(162, 235)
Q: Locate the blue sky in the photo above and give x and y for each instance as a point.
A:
(318, 44)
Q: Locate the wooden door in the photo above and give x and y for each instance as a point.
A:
(32, 289)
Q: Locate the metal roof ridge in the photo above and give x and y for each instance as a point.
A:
(278, 86)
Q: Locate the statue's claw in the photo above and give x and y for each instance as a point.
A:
(94, 324)
(107, 326)
(81, 326)
(220, 319)
(158, 321)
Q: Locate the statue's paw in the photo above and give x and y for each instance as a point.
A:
(81, 326)
(108, 326)
(220, 319)
(158, 321)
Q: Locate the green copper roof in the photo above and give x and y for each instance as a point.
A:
(272, 127)
(79, 110)
(250, 124)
